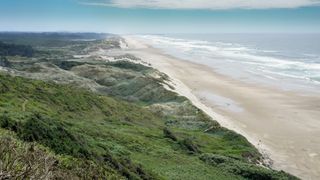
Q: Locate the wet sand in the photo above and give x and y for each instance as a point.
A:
(283, 125)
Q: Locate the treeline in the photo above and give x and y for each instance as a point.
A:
(16, 50)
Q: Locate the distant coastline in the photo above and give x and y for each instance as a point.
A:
(268, 59)
(277, 122)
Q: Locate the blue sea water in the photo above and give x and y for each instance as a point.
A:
(287, 60)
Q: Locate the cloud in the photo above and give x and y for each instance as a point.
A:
(205, 4)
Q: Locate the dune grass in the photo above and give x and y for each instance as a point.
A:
(127, 138)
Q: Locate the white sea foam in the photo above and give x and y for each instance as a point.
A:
(237, 58)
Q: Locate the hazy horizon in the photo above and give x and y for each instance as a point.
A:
(154, 17)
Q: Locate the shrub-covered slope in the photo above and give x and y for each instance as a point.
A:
(121, 137)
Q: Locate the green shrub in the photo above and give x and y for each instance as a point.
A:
(4, 62)
(246, 170)
(53, 133)
(127, 168)
(214, 159)
(129, 65)
(3, 88)
(168, 134)
(189, 145)
(15, 50)
(7, 123)
(67, 65)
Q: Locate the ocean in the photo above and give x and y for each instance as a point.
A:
(289, 61)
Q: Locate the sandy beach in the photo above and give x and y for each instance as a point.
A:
(283, 125)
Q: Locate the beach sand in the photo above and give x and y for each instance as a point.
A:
(283, 125)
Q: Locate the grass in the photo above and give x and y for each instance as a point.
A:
(128, 138)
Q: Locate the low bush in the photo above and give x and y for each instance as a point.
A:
(53, 134)
(168, 134)
(15, 50)
(190, 145)
(67, 65)
(4, 62)
(129, 65)
(127, 168)
(246, 170)
(20, 160)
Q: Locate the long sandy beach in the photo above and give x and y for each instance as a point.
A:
(283, 125)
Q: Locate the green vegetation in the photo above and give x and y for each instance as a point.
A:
(67, 65)
(4, 62)
(129, 81)
(128, 138)
(15, 50)
(121, 123)
(168, 134)
(60, 117)
(248, 171)
(128, 65)
(50, 39)
(20, 160)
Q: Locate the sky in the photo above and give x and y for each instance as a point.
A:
(161, 16)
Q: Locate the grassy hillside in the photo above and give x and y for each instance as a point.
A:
(123, 137)
(110, 120)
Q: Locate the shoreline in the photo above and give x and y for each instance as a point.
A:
(282, 125)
